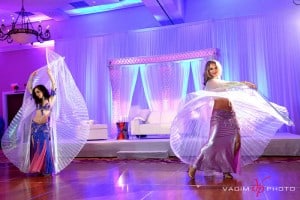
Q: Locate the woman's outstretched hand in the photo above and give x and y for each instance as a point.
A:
(29, 83)
(250, 85)
(34, 73)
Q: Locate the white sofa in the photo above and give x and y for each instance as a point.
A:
(98, 132)
(156, 123)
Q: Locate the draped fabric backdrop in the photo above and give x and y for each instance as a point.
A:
(261, 49)
(164, 81)
(124, 80)
(165, 84)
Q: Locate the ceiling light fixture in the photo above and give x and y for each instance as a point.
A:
(22, 31)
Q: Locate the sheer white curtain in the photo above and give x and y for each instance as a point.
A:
(261, 49)
(165, 84)
(123, 84)
(242, 50)
(86, 59)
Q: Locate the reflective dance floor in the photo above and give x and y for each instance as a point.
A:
(122, 179)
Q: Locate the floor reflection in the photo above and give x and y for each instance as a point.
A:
(150, 179)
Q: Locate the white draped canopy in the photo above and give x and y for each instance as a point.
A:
(164, 78)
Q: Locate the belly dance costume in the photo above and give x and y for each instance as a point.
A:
(41, 160)
(36, 147)
(221, 152)
(219, 140)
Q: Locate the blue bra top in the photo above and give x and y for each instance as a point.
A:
(47, 105)
(43, 107)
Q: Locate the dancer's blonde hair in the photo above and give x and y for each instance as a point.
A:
(206, 75)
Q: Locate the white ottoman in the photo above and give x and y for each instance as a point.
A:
(98, 132)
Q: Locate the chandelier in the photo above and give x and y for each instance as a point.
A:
(22, 31)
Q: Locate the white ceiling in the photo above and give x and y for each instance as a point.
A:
(165, 11)
(55, 9)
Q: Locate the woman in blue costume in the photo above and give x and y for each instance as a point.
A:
(50, 128)
(41, 160)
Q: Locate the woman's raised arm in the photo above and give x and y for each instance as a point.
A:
(29, 83)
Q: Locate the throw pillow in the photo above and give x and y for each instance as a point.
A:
(143, 114)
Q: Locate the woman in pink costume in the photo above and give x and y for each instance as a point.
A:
(225, 126)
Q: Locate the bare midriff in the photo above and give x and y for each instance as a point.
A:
(40, 118)
(222, 104)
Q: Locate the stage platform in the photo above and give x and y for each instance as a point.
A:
(283, 144)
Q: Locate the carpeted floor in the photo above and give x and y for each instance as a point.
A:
(264, 159)
(3, 159)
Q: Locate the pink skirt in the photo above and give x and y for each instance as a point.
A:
(220, 153)
(41, 157)
(207, 139)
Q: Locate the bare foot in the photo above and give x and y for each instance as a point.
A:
(192, 172)
(227, 175)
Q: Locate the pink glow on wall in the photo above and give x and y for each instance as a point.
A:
(16, 66)
(167, 71)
